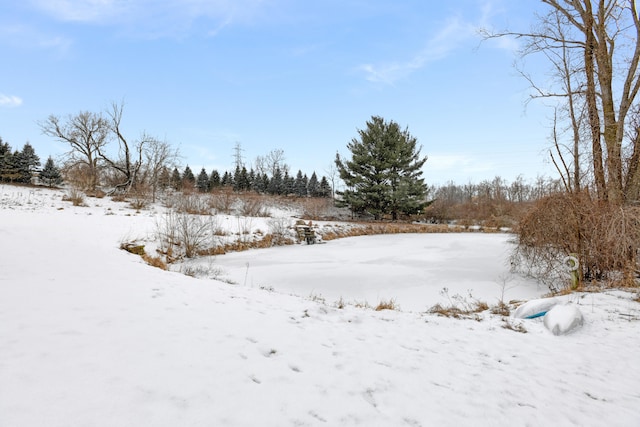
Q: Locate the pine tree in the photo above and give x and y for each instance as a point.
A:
(299, 188)
(313, 187)
(325, 187)
(188, 178)
(288, 183)
(384, 173)
(176, 179)
(27, 162)
(50, 174)
(164, 178)
(202, 183)
(214, 179)
(227, 180)
(5, 159)
(276, 184)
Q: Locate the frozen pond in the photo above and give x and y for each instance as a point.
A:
(413, 269)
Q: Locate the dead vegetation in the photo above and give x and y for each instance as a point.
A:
(602, 237)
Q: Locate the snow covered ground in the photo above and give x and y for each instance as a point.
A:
(92, 336)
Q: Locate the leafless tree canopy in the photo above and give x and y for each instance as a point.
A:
(86, 134)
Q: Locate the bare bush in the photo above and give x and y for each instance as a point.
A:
(139, 196)
(75, 196)
(279, 228)
(190, 203)
(316, 208)
(222, 201)
(250, 205)
(603, 237)
(181, 234)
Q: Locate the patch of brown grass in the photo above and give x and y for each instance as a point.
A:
(376, 228)
(387, 305)
(155, 261)
(133, 248)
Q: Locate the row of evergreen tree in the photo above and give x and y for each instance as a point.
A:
(280, 183)
(24, 165)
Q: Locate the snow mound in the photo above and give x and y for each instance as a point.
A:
(535, 308)
(562, 319)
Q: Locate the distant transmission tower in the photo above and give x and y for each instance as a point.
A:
(237, 155)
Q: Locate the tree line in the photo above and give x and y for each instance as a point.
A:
(280, 183)
(22, 166)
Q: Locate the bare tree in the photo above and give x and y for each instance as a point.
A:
(86, 134)
(158, 155)
(594, 49)
(332, 175)
(272, 161)
(129, 160)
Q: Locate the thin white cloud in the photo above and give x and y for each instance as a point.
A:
(27, 37)
(455, 32)
(82, 10)
(10, 101)
(446, 40)
(153, 18)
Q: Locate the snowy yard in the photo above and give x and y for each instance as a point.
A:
(92, 336)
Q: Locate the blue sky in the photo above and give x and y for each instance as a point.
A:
(294, 75)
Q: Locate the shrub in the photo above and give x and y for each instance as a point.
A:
(184, 234)
(75, 196)
(604, 238)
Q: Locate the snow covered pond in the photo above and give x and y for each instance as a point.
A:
(412, 269)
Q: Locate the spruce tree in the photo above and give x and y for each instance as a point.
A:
(27, 162)
(164, 178)
(202, 183)
(313, 187)
(325, 188)
(188, 178)
(300, 189)
(50, 173)
(227, 180)
(384, 173)
(276, 184)
(214, 179)
(176, 179)
(5, 159)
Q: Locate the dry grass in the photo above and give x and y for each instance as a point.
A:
(460, 307)
(501, 309)
(75, 196)
(387, 305)
(133, 248)
(374, 228)
(155, 261)
(136, 249)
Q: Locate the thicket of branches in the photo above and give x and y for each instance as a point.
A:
(494, 203)
(604, 237)
(593, 50)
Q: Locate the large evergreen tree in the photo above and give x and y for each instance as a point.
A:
(188, 178)
(313, 186)
(176, 179)
(6, 160)
(325, 188)
(202, 182)
(299, 187)
(27, 162)
(214, 179)
(384, 174)
(50, 174)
